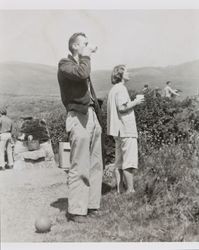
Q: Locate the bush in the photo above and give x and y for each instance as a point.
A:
(56, 124)
(37, 128)
(160, 121)
(165, 206)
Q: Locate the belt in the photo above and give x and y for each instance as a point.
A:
(5, 132)
(92, 105)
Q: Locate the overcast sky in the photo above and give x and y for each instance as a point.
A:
(134, 37)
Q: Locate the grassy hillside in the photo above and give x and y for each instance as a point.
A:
(41, 80)
(184, 76)
(28, 79)
(165, 206)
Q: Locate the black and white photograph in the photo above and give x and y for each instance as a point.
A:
(99, 126)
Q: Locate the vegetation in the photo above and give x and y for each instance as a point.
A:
(165, 206)
(160, 122)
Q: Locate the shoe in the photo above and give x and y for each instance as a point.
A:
(93, 212)
(2, 168)
(77, 218)
(9, 167)
(130, 191)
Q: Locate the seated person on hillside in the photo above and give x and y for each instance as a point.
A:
(5, 140)
(168, 91)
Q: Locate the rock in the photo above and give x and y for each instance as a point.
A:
(43, 157)
(34, 155)
(19, 164)
(47, 147)
(19, 148)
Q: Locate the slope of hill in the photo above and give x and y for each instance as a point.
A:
(28, 79)
(41, 80)
(184, 77)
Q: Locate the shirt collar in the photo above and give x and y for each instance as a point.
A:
(121, 83)
(72, 58)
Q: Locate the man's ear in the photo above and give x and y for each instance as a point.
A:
(74, 46)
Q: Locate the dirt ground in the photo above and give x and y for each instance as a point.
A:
(26, 194)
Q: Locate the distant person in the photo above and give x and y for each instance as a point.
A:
(83, 128)
(168, 91)
(5, 140)
(121, 125)
(157, 92)
(145, 90)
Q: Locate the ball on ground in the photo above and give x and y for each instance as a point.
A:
(42, 224)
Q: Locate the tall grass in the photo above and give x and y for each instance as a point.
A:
(165, 206)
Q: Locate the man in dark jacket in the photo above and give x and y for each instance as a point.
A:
(83, 128)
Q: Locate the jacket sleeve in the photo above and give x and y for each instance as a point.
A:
(74, 71)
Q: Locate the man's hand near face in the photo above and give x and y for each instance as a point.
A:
(88, 50)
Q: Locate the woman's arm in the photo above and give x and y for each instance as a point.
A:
(127, 106)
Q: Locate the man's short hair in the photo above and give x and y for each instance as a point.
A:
(146, 85)
(73, 39)
(117, 74)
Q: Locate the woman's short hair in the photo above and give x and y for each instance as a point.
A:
(117, 74)
(73, 39)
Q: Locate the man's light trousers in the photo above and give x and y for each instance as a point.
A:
(5, 147)
(85, 174)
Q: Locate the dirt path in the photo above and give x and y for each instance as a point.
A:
(27, 193)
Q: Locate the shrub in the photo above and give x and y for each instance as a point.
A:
(37, 128)
(56, 124)
(160, 121)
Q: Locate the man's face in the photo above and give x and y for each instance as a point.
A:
(80, 44)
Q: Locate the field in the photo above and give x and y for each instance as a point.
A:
(165, 206)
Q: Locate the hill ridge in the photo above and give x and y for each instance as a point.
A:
(23, 79)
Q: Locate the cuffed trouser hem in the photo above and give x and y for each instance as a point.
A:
(92, 207)
(77, 212)
(128, 167)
